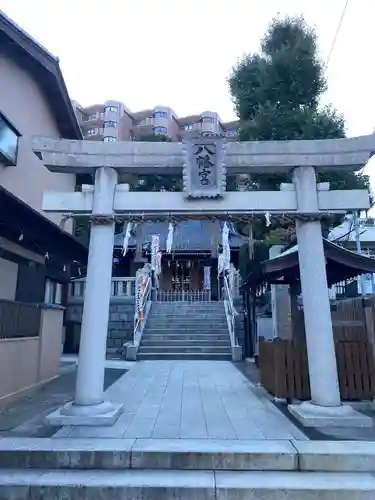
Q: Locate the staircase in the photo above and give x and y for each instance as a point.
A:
(186, 330)
(124, 469)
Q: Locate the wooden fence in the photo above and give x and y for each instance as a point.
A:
(284, 372)
(350, 319)
(283, 364)
(18, 319)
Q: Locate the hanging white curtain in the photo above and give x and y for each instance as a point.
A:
(170, 238)
(127, 238)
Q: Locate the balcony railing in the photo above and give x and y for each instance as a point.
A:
(121, 288)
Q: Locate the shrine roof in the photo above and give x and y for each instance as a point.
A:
(341, 264)
(189, 236)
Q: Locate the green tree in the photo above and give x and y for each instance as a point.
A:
(155, 182)
(276, 95)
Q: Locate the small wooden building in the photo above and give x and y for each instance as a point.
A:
(283, 362)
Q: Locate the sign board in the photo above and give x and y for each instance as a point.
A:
(204, 173)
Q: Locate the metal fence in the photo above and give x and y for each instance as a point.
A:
(183, 296)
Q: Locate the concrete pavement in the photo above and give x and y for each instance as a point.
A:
(190, 400)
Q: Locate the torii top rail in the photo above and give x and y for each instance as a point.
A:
(68, 156)
(64, 155)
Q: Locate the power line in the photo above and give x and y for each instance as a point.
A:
(337, 32)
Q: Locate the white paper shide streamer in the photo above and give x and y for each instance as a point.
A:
(267, 215)
(128, 231)
(170, 238)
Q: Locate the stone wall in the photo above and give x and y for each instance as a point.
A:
(240, 326)
(120, 324)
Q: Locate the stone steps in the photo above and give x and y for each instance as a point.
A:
(153, 469)
(148, 341)
(187, 356)
(187, 325)
(196, 330)
(184, 336)
(186, 331)
(191, 454)
(164, 349)
(187, 320)
(182, 484)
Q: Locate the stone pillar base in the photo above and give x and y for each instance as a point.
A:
(103, 414)
(131, 351)
(236, 353)
(312, 415)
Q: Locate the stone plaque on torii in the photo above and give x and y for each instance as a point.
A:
(204, 162)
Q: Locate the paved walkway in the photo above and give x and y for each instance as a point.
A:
(190, 400)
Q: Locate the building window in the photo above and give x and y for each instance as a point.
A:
(92, 131)
(160, 130)
(109, 138)
(231, 133)
(113, 109)
(8, 142)
(208, 119)
(53, 292)
(92, 117)
(110, 124)
(160, 114)
(188, 127)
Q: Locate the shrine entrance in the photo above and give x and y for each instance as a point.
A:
(204, 163)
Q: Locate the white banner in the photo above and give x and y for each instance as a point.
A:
(138, 292)
(158, 263)
(170, 238)
(140, 283)
(207, 278)
(226, 247)
(155, 244)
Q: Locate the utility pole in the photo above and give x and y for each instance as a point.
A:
(356, 223)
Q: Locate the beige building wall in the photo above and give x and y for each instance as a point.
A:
(23, 104)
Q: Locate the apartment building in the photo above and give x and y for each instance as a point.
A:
(113, 121)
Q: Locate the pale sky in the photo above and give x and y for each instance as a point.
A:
(179, 52)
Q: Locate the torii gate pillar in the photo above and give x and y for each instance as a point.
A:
(89, 407)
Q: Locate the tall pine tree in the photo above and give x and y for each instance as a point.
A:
(276, 94)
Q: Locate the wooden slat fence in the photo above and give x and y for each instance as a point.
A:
(348, 320)
(284, 372)
(18, 319)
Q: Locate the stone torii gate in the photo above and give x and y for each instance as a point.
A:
(204, 163)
